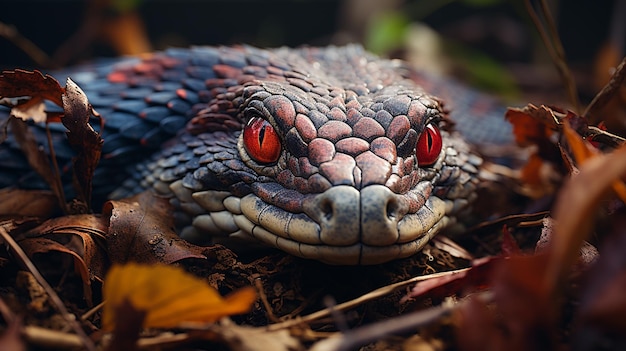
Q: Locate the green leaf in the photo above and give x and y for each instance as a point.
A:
(386, 32)
(483, 72)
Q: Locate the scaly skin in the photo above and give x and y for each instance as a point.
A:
(346, 187)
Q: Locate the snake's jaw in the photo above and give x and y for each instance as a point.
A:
(344, 225)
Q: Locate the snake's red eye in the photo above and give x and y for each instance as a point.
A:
(261, 141)
(428, 146)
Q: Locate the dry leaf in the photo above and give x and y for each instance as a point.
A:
(583, 151)
(522, 317)
(37, 203)
(80, 237)
(31, 109)
(21, 83)
(531, 123)
(82, 137)
(168, 295)
(602, 305)
(575, 210)
(141, 229)
(36, 88)
(533, 126)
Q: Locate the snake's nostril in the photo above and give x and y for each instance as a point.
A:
(381, 211)
(337, 212)
(393, 209)
(326, 208)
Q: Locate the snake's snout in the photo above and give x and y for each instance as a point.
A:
(348, 216)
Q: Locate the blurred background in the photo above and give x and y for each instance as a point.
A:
(491, 44)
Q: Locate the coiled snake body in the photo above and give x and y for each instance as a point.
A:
(330, 153)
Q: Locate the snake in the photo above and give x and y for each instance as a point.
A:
(327, 153)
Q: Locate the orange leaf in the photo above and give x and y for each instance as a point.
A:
(168, 295)
(531, 123)
(583, 151)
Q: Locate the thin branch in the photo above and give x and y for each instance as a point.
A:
(6, 312)
(49, 338)
(56, 300)
(56, 177)
(27, 46)
(268, 307)
(606, 94)
(355, 338)
(554, 46)
(385, 290)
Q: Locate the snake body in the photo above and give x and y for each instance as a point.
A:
(330, 154)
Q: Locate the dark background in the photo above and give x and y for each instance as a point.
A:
(501, 30)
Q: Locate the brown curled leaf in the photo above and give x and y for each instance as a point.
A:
(141, 229)
(34, 88)
(20, 83)
(80, 236)
(35, 203)
(42, 245)
(82, 137)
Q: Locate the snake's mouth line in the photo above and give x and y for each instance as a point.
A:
(356, 253)
(230, 218)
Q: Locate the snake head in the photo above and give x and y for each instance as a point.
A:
(332, 155)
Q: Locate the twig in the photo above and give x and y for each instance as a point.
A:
(607, 93)
(58, 184)
(554, 46)
(92, 311)
(352, 339)
(510, 220)
(6, 312)
(32, 50)
(38, 160)
(21, 255)
(52, 338)
(359, 300)
(605, 137)
(268, 307)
